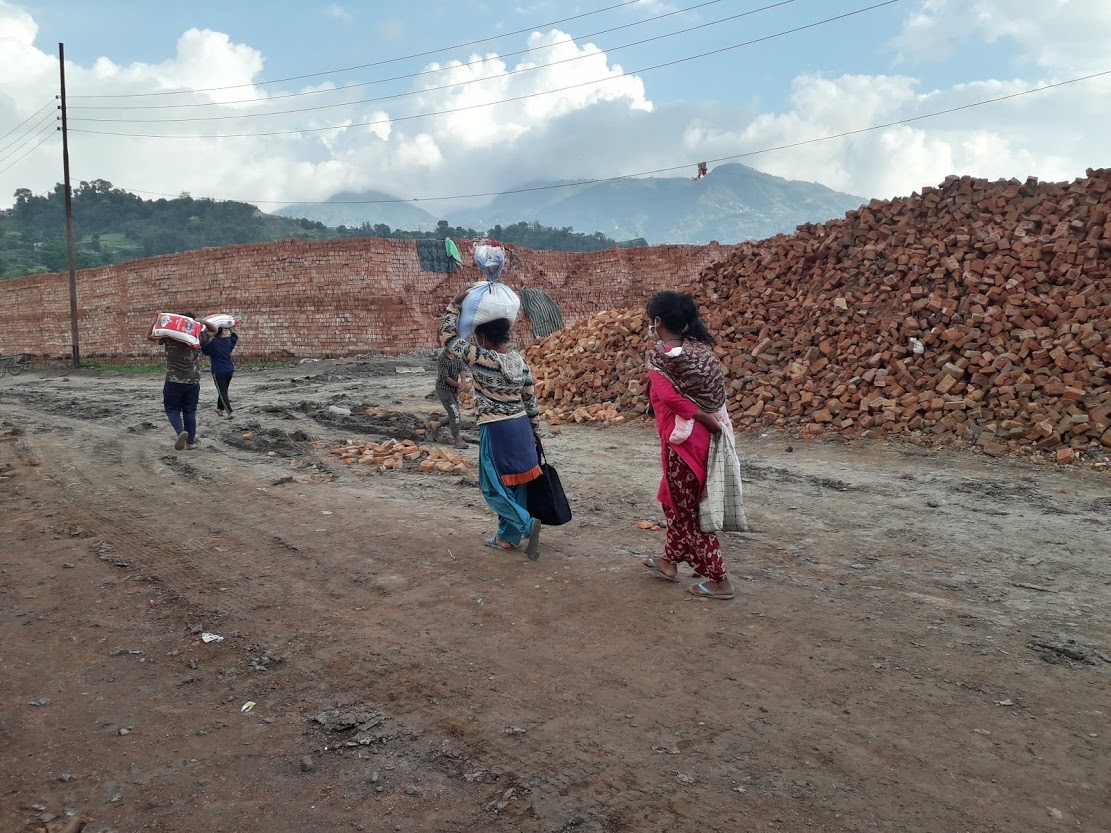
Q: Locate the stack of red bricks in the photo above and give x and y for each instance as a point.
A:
(976, 311)
(314, 298)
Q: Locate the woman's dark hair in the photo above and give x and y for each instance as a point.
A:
(679, 313)
(496, 332)
(192, 315)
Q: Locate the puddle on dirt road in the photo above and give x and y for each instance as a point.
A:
(390, 424)
(265, 440)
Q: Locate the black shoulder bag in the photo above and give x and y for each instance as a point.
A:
(546, 500)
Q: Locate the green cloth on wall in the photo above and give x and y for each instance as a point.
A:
(452, 250)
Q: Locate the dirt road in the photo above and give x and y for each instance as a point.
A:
(920, 642)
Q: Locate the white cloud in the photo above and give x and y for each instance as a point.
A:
(1067, 36)
(338, 12)
(555, 62)
(205, 60)
(30, 67)
(398, 153)
(391, 30)
(1016, 138)
(602, 123)
(1054, 134)
(402, 156)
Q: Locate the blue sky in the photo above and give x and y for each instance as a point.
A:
(614, 116)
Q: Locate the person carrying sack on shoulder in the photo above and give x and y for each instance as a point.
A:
(219, 351)
(182, 389)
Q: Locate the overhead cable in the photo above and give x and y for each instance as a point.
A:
(484, 104)
(425, 90)
(427, 71)
(376, 63)
(50, 131)
(27, 136)
(14, 129)
(673, 168)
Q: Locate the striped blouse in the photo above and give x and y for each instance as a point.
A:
(503, 384)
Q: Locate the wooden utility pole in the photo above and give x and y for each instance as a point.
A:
(69, 214)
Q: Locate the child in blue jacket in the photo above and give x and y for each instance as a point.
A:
(219, 351)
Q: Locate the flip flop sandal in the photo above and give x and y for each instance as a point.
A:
(493, 544)
(701, 591)
(533, 550)
(651, 564)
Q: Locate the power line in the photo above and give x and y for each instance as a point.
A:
(375, 63)
(16, 144)
(50, 131)
(14, 129)
(433, 89)
(731, 158)
(20, 140)
(433, 71)
(396, 119)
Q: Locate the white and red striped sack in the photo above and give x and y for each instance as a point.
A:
(221, 319)
(178, 327)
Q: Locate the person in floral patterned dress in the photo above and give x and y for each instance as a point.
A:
(675, 327)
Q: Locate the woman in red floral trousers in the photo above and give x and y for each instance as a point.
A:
(675, 328)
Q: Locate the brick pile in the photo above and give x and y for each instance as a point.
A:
(975, 311)
(393, 455)
(313, 299)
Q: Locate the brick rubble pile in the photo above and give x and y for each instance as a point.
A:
(394, 455)
(974, 312)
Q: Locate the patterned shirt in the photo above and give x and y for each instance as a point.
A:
(183, 363)
(448, 366)
(694, 370)
(503, 384)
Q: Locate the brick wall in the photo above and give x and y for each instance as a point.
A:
(322, 299)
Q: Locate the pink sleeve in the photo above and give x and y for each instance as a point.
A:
(663, 390)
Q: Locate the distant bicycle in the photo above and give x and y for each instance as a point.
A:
(15, 363)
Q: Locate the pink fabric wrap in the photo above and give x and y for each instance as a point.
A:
(695, 452)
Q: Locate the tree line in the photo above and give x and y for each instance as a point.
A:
(112, 225)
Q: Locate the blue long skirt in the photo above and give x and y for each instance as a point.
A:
(507, 452)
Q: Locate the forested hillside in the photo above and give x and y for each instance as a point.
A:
(111, 225)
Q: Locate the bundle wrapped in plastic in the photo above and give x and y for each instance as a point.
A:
(490, 260)
(221, 319)
(490, 299)
(178, 327)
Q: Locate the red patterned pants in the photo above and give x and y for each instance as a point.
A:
(685, 541)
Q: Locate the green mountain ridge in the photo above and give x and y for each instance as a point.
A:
(353, 209)
(732, 203)
(112, 225)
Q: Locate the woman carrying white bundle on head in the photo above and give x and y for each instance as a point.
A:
(490, 299)
(505, 401)
(219, 351)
